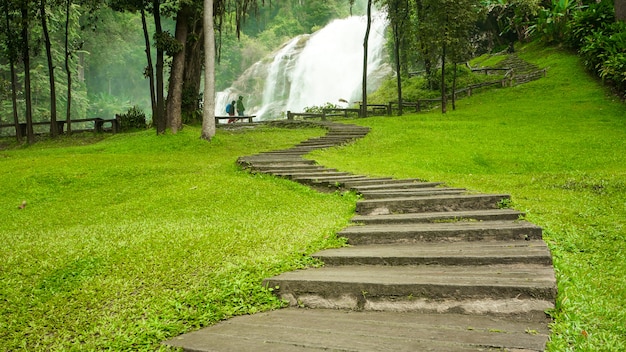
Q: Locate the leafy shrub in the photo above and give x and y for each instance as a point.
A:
(601, 43)
(134, 118)
(604, 53)
(594, 18)
(552, 22)
(320, 109)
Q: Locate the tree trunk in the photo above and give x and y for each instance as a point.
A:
(175, 90)
(68, 71)
(12, 60)
(16, 120)
(365, 48)
(160, 108)
(193, 70)
(27, 96)
(149, 73)
(208, 109)
(53, 96)
(620, 10)
(396, 39)
(454, 89)
(443, 79)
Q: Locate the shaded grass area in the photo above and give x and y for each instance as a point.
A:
(130, 240)
(557, 145)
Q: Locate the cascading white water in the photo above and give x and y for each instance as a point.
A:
(325, 67)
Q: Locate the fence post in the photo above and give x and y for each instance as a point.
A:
(289, 115)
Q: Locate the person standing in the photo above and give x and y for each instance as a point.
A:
(230, 109)
(240, 107)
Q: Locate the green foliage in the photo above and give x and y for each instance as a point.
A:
(508, 21)
(152, 236)
(601, 43)
(552, 22)
(320, 109)
(557, 146)
(418, 87)
(596, 17)
(133, 119)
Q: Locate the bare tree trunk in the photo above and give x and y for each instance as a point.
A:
(68, 71)
(193, 69)
(443, 79)
(454, 89)
(208, 109)
(16, 120)
(12, 60)
(365, 48)
(29, 108)
(620, 10)
(160, 108)
(175, 89)
(396, 37)
(149, 72)
(53, 96)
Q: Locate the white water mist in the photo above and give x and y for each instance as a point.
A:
(312, 70)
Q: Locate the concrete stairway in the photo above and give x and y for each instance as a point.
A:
(429, 267)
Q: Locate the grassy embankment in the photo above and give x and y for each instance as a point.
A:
(558, 146)
(134, 239)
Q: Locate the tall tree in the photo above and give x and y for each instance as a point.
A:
(12, 49)
(219, 9)
(160, 61)
(68, 71)
(25, 12)
(446, 24)
(208, 109)
(149, 70)
(193, 68)
(365, 48)
(53, 97)
(175, 89)
(398, 12)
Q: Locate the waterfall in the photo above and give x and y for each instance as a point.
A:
(313, 70)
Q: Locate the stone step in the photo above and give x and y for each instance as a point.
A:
(311, 174)
(313, 146)
(430, 204)
(294, 329)
(289, 167)
(327, 180)
(294, 152)
(438, 253)
(503, 289)
(369, 180)
(384, 183)
(453, 231)
(335, 140)
(273, 159)
(414, 192)
(442, 216)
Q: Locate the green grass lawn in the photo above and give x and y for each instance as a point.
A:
(558, 146)
(132, 239)
(135, 239)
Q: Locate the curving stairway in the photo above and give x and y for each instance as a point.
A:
(429, 268)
